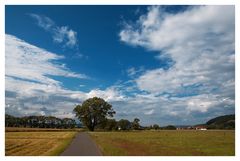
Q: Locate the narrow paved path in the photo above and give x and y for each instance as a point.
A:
(82, 145)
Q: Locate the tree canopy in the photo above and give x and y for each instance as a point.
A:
(93, 111)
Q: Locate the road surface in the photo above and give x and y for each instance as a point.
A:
(82, 145)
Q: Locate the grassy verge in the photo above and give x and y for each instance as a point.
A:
(166, 143)
(59, 149)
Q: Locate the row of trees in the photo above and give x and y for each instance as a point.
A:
(123, 124)
(39, 122)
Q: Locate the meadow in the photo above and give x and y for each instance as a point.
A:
(37, 143)
(166, 143)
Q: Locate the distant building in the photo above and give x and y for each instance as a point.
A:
(200, 128)
(185, 127)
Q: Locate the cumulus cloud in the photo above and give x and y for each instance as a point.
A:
(60, 34)
(109, 94)
(200, 41)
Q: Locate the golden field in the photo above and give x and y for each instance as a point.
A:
(39, 143)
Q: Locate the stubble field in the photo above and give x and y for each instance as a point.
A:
(41, 143)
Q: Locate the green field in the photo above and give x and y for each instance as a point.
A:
(166, 143)
(37, 143)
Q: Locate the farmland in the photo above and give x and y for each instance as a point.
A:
(166, 143)
(37, 143)
(51, 142)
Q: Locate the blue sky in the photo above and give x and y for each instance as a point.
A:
(162, 64)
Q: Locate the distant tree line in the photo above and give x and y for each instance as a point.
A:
(67, 123)
(123, 124)
(157, 127)
(126, 125)
(39, 122)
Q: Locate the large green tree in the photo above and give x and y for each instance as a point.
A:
(93, 111)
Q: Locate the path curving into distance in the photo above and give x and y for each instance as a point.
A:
(82, 145)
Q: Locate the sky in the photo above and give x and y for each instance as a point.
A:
(161, 64)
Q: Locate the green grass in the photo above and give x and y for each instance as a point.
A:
(166, 143)
(37, 143)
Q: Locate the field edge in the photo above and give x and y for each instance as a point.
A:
(60, 149)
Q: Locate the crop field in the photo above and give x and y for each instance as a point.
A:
(166, 143)
(37, 143)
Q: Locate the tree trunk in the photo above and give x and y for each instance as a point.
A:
(91, 128)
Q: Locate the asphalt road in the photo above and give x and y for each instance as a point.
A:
(82, 145)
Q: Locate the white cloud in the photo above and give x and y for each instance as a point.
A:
(201, 103)
(149, 112)
(29, 85)
(158, 30)
(29, 62)
(109, 94)
(173, 110)
(200, 41)
(43, 21)
(63, 34)
(60, 34)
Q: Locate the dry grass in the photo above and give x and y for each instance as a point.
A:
(166, 143)
(21, 129)
(36, 143)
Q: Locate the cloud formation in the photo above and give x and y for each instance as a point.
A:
(28, 78)
(198, 84)
(201, 44)
(29, 62)
(30, 89)
(60, 34)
